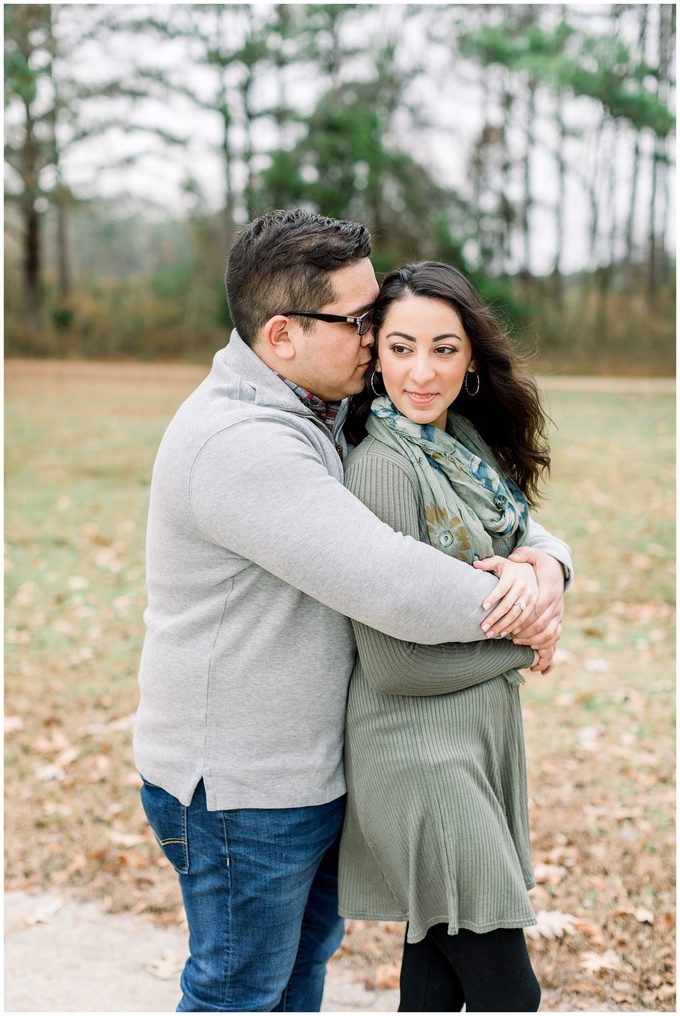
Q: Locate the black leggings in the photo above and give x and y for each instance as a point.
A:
(489, 973)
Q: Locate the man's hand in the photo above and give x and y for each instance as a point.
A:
(517, 584)
(542, 628)
(544, 660)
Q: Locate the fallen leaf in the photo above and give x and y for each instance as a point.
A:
(125, 839)
(67, 756)
(387, 976)
(132, 859)
(552, 924)
(594, 962)
(596, 665)
(666, 992)
(77, 582)
(168, 966)
(50, 772)
(46, 911)
(100, 768)
(550, 873)
(590, 929)
(643, 916)
(55, 741)
(124, 723)
(580, 986)
(57, 808)
(132, 779)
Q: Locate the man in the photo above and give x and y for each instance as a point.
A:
(256, 558)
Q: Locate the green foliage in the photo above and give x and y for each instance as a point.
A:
(172, 278)
(26, 32)
(599, 67)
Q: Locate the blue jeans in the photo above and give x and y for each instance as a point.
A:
(260, 893)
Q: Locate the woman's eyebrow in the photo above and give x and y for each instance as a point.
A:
(437, 338)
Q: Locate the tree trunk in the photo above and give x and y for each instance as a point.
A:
(281, 63)
(32, 269)
(63, 266)
(506, 208)
(225, 146)
(657, 154)
(630, 224)
(666, 48)
(248, 117)
(652, 265)
(525, 272)
(31, 259)
(606, 270)
(557, 277)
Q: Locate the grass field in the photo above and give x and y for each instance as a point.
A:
(80, 443)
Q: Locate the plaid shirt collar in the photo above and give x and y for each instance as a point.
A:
(324, 411)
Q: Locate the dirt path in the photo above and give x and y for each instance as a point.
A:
(63, 956)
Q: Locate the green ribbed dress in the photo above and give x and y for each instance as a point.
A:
(437, 828)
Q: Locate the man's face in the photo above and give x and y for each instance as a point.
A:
(332, 358)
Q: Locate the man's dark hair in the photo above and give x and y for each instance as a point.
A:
(284, 260)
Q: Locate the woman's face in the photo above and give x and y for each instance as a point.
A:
(423, 354)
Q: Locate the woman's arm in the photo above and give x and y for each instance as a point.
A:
(395, 667)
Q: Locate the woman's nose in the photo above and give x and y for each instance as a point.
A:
(422, 370)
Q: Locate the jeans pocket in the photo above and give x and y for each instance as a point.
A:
(168, 820)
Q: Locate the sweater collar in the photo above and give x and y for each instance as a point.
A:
(267, 387)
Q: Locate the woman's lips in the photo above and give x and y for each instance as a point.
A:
(423, 399)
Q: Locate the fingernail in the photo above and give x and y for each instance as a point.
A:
(503, 634)
(486, 606)
(485, 627)
(490, 633)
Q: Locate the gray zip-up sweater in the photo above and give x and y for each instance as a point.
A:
(257, 556)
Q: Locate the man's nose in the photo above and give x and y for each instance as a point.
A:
(368, 339)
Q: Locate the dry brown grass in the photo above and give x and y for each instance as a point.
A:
(80, 444)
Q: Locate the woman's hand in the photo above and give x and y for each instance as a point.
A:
(515, 595)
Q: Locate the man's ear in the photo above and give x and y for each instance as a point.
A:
(276, 338)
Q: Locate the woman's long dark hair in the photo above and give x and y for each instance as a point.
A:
(507, 409)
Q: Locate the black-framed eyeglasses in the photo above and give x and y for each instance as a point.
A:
(362, 323)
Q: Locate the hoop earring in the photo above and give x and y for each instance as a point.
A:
(465, 383)
(372, 384)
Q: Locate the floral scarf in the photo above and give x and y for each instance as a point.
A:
(467, 498)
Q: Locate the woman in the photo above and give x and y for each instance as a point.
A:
(437, 832)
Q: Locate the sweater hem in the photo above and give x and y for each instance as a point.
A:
(452, 927)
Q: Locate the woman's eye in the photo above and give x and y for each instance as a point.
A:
(400, 349)
(447, 350)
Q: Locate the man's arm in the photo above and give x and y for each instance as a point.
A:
(538, 538)
(260, 490)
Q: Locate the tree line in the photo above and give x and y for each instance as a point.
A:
(357, 111)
